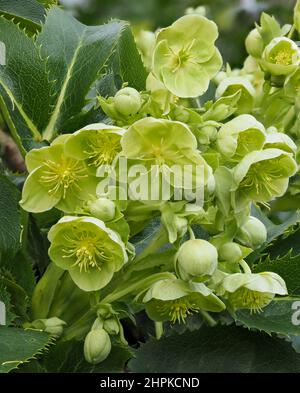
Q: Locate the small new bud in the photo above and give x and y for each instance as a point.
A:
(196, 258)
(230, 252)
(53, 326)
(254, 43)
(128, 101)
(252, 233)
(104, 209)
(97, 346)
(112, 326)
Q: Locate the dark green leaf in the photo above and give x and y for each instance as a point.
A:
(77, 55)
(30, 16)
(276, 317)
(288, 267)
(67, 357)
(221, 349)
(10, 221)
(18, 346)
(127, 62)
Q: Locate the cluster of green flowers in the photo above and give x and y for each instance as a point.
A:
(245, 140)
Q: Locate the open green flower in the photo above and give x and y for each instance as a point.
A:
(56, 180)
(233, 84)
(90, 251)
(97, 144)
(281, 56)
(240, 136)
(173, 300)
(252, 290)
(164, 143)
(185, 58)
(262, 175)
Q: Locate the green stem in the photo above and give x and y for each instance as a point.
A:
(245, 266)
(191, 233)
(141, 284)
(292, 31)
(208, 318)
(159, 330)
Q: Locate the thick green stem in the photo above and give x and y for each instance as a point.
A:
(136, 286)
(208, 318)
(245, 266)
(159, 330)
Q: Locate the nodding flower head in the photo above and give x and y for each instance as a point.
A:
(185, 58)
(174, 300)
(252, 291)
(262, 175)
(89, 250)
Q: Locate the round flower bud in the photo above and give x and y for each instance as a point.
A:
(128, 101)
(112, 326)
(181, 224)
(53, 326)
(104, 209)
(230, 252)
(97, 346)
(196, 258)
(254, 43)
(252, 233)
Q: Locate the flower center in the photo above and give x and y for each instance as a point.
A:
(261, 176)
(86, 251)
(283, 57)
(177, 310)
(60, 176)
(183, 57)
(103, 149)
(253, 300)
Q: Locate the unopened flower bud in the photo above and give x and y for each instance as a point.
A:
(53, 326)
(181, 225)
(196, 258)
(230, 252)
(111, 326)
(97, 346)
(104, 209)
(254, 43)
(128, 101)
(252, 233)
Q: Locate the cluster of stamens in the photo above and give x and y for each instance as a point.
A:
(178, 310)
(103, 149)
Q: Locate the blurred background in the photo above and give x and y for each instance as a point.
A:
(234, 17)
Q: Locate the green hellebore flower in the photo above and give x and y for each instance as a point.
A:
(252, 233)
(90, 251)
(253, 290)
(281, 56)
(128, 101)
(53, 326)
(233, 84)
(164, 143)
(97, 144)
(173, 300)
(281, 141)
(240, 136)
(56, 180)
(254, 43)
(196, 258)
(97, 346)
(185, 58)
(262, 175)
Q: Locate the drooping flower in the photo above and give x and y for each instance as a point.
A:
(252, 290)
(281, 56)
(97, 346)
(240, 136)
(185, 58)
(90, 251)
(56, 180)
(173, 300)
(263, 175)
(233, 84)
(97, 144)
